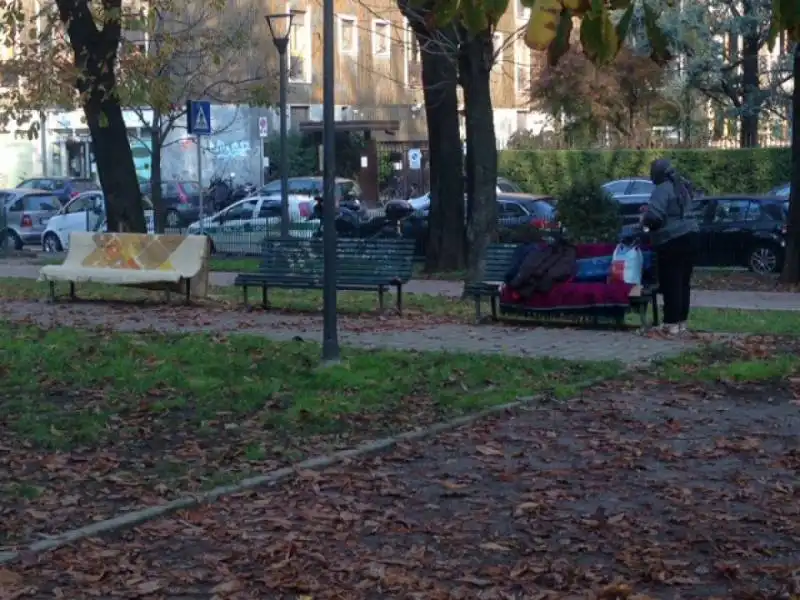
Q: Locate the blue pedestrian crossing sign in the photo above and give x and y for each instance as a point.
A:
(198, 117)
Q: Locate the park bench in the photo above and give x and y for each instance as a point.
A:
(361, 265)
(499, 259)
(157, 262)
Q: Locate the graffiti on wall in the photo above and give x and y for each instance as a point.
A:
(233, 148)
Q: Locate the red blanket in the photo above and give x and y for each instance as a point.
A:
(571, 295)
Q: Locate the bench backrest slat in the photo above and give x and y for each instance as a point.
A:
(358, 261)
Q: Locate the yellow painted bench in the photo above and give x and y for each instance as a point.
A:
(176, 263)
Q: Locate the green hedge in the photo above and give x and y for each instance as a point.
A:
(716, 171)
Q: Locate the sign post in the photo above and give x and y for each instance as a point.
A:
(198, 123)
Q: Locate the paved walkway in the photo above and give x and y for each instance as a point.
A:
(393, 333)
(743, 300)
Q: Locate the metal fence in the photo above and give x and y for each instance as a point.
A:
(403, 169)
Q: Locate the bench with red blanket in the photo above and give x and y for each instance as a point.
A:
(586, 295)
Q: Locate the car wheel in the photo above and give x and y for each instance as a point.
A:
(173, 219)
(12, 241)
(763, 260)
(51, 244)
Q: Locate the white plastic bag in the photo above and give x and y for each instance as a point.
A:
(626, 265)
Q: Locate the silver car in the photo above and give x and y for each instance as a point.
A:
(25, 215)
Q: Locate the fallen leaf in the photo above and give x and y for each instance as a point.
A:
(489, 451)
(148, 587)
(495, 546)
(10, 578)
(227, 587)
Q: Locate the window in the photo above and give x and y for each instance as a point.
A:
(413, 66)
(507, 186)
(381, 39)
(300, 48)
(729, 211)
(641, 187)
(348, 35)
(243, 210)
(497, 45)
(46, 203)
(509, 209)
(79, 205)
(522, 67)
(616, 188)
(269, 210)
(754, 212)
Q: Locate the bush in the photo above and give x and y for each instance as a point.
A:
(754, 170)
(588, 213)
(524, 234)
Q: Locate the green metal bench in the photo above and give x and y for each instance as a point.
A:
(498, 261)
(361, 265)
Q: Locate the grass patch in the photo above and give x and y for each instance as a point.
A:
(743, 361)
(65, 388)
(764, 322)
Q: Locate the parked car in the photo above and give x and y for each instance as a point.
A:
(782, 191)
(26, 213)
(65, 188)
(181, 201)
(741, 230)
(506, 186)
(310, 187)
(85, 212)
(632, 195)
(242, 226)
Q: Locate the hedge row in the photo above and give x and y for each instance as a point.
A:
(754, 170)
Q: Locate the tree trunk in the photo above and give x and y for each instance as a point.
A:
(791, 264)
(475, 62)
(95, 57)
(445, 249)
(751, 86)
(159, 214)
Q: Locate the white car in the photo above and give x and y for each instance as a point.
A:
(241, 227)
(85, 212)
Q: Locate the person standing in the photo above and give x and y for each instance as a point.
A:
(674, 236)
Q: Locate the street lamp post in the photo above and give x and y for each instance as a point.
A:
(330, 336)
(280, 27)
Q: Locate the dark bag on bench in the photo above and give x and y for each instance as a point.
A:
(540, 269)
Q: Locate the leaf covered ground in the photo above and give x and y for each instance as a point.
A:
(93, 423)
(643, 488)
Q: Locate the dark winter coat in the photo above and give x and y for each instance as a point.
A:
(542, 267)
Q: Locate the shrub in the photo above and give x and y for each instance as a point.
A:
(588, 213)
(754, 170)
(524, 234)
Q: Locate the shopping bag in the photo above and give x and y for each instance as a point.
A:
(626, 265)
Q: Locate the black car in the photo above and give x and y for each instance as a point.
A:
(741, 231)
(65, 188)
(181, 200)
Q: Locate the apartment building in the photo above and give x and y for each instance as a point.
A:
(378, 69)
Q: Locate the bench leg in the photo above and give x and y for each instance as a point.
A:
(188, 291)
(495, 301)
(477, 309)
(72, 290)
(52, 291)
(380, 298)
(399, 294)
(264, 298)
(244, 295)
(654, 300)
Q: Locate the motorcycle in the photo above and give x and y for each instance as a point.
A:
(351, 223)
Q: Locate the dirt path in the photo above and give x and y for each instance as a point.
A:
(391, 332)
(669, 492)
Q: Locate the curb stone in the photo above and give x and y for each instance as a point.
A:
(137, 517)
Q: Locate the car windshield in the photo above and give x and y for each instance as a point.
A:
(83, 185)
(508, 186)
(190, 187)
